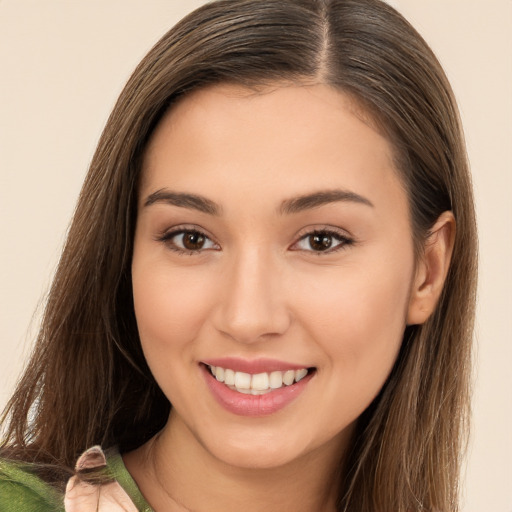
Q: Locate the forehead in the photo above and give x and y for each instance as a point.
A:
(317, 102)
(301, 137)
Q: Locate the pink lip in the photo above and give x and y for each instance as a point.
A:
(253, 405)
(255, 366)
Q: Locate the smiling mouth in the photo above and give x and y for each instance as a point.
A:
(259, 383)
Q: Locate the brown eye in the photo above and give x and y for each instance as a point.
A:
(188, 241)
(193, 241)
(320, 241)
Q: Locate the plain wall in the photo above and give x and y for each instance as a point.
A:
(62, 65)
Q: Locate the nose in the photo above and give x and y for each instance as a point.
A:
(252, 304)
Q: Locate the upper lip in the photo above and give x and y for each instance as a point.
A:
(253, 366)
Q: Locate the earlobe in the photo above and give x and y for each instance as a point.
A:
(432, 269)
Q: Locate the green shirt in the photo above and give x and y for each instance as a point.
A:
(22, 491)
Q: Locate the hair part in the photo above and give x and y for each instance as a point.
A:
(87, 382)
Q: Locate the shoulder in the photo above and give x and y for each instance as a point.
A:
(22, 491)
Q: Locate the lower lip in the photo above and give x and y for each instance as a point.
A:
(254, 405)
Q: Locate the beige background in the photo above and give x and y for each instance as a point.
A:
(62, 65)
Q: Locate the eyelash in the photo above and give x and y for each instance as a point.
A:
(342, 239)
(167, 239)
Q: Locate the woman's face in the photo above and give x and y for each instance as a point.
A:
(273, 239)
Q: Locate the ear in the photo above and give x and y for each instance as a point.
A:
(432, 270)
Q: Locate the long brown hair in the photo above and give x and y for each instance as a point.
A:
(87, 381)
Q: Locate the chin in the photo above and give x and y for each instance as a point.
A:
(256, 457)
(250, 450)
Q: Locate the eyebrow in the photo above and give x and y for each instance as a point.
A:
(321, 198)
(289, 206)
(183, 200)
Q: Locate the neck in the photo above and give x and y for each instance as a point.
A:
(177, 474)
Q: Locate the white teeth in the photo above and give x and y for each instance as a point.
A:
(229, 377)
(257, 384)
(276, 380)
(300, 374)
(288, 377)
(242, 380)
(259, 381)
(219, 374)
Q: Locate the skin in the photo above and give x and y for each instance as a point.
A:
(258, 288)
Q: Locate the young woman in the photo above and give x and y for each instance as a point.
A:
(267, 293)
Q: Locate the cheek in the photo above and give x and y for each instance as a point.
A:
(358, 319)
(170, 306)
